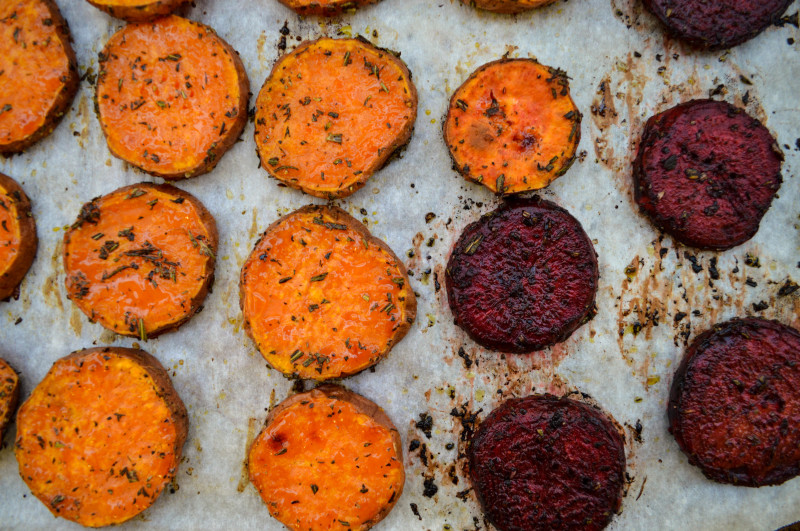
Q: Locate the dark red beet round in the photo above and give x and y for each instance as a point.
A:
(734, 407)
(548, 463)
(717, 24)
(706, 173)
(522, 277)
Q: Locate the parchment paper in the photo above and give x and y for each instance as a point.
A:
(621, 64)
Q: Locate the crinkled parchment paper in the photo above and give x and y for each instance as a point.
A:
(654, 295)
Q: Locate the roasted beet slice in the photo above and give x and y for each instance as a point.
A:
(734, 407)
(522, 277)
(706, 173)
(717, 24)
(548, 463)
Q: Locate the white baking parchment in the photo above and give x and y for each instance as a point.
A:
(623, 70)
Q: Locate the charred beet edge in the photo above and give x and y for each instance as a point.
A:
(734, 406)
(548, 463)
(717, 24)
(522, 277)
(706, 173)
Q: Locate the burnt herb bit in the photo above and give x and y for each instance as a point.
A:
(198, 241)
(329, 225)
(473, 246)
(107, 275)
(336, 138)
(80, 285)
(788, 288)
(108, 247)
(314, 488)
(127, 233)
(90, 213)
(142, 335)
(461, 104)
(136, 192)
(319, 278)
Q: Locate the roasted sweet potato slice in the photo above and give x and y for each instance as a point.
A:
(322, 298)
(9, 395)
(140, 260)
(717, 24)
(734, 407)
(547, 463)
(38, 72)
(138, 10)
(171, 96)
(18, 240)
(512, 126)
(101, 435)
(706, 173)
(328, 459)
(325, 8)
(331, 113)
(507, 6)
(522, 277)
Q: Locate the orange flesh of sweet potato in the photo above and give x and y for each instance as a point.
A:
(321, 297)
(101, 435)
(171, 96)
(38, 71)
(328, 459)
(331, 113)
(513, 126)
(326, 8)
(138, 10)
(508, 6)
(139, 260)
(9, 395)
(18, 240)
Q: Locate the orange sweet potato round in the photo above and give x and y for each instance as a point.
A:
(140, 260)
(171, 96)
(18, 240)
(325, 8)
(507, 6)
(512, 126)
(38, 72)
(328, 459)
(101, 436)
(331, 114)
(138, 10)
(9, 395)
(321, 297)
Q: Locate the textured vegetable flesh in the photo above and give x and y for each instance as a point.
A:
(522, 277)
(18, 240)
(38, 71)
(548, 463)
(324, 462)
(171, 96)
(734, 407)
(321, 297)
(140, 260)
(512, 126)
(706, 173)
(717, 24)
(9, 395)
(331, 113)
(138, 10)
(325, 8)
(508, 6)
(101, 435)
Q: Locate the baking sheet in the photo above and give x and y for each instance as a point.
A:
(624, 68)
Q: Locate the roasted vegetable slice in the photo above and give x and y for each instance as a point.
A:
(101, 436)
(325, 8)
(512, 126)
(706, 173)
(171, 96)
(18, 240)
(321, 297)
(140, 260)
(734, 407)
(547, 463)
(522, 277)
(9, 395)
(717, 24)
(38, 72)
(138, 10)
(331, 114)
(507, 6)
(328, 459)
